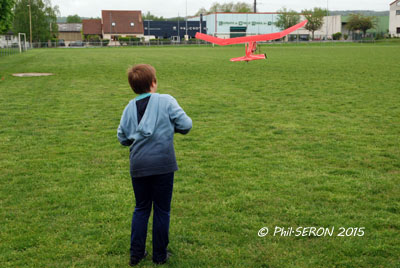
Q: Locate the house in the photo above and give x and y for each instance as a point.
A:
(92, 27)
(121, 23)
(394, 18)
(70, 32)
(114, 24)
(8, 39)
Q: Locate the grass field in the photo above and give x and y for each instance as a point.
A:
(310, 137)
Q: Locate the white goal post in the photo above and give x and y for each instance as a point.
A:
(19, 42)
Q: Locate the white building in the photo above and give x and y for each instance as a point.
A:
(225, 25)
(8, 39)
(394, 19)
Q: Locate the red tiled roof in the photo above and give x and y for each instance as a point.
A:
(91, 26)
(123, 20)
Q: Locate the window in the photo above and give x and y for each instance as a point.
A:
(398, 30)
(8, 37)
(113, 23)
(398, 11)
(174, 28)
(132, 24)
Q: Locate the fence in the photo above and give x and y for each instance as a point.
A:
(14, 48)
(113, 44)
(5, 51)
(107, 43)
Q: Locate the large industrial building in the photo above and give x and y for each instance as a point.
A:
(226, 25)
(174, 30)
(394, 21)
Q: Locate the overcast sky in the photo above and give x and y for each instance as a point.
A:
(92, 8)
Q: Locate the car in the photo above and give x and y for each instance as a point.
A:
(61, 43)
(76, 44)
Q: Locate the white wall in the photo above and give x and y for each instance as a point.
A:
(394, 19)
(332, 25)
(5, 43)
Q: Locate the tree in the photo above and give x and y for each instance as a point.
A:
(216, 7)
(6, 15)
(74, 19)
(359, 22)
(243, 7)
(315, 19)
(201, 11)
(287, 18)
(226, 7)
(149, 16)
(44, 19)
(367, 23)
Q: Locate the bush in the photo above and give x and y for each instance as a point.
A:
(128, 39)
(345, 36)
(337, 36)
(105, 42)
(92, 38)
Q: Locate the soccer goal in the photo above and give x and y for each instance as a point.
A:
(22, 43)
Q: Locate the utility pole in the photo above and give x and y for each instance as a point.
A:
(255, 6)
(201, 21)
(327, 18)
(186, 22)
(110, 28)
(30, 24)
(179, 32)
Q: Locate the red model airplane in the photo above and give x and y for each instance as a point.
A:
(251, 41)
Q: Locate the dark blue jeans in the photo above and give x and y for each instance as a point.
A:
(157, 191)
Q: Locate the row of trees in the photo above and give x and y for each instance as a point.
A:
(226, 7)
(288, 18)
(14, 14)
(315, 17)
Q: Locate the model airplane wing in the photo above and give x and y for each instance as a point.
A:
(248, 39)
(251, 41)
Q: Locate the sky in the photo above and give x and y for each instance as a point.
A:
(92, 8)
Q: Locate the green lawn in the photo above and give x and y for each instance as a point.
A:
(310, 137)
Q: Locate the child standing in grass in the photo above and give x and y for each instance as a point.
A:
(148, 124)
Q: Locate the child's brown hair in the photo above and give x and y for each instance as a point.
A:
(141, 77)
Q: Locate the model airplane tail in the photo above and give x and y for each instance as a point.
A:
(251, 40)
(250, 58)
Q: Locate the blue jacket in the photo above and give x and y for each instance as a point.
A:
(152, 147)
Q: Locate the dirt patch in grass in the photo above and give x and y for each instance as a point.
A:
(32, 74)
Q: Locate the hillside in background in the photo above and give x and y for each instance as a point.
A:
(64, 19)
(336, 12)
